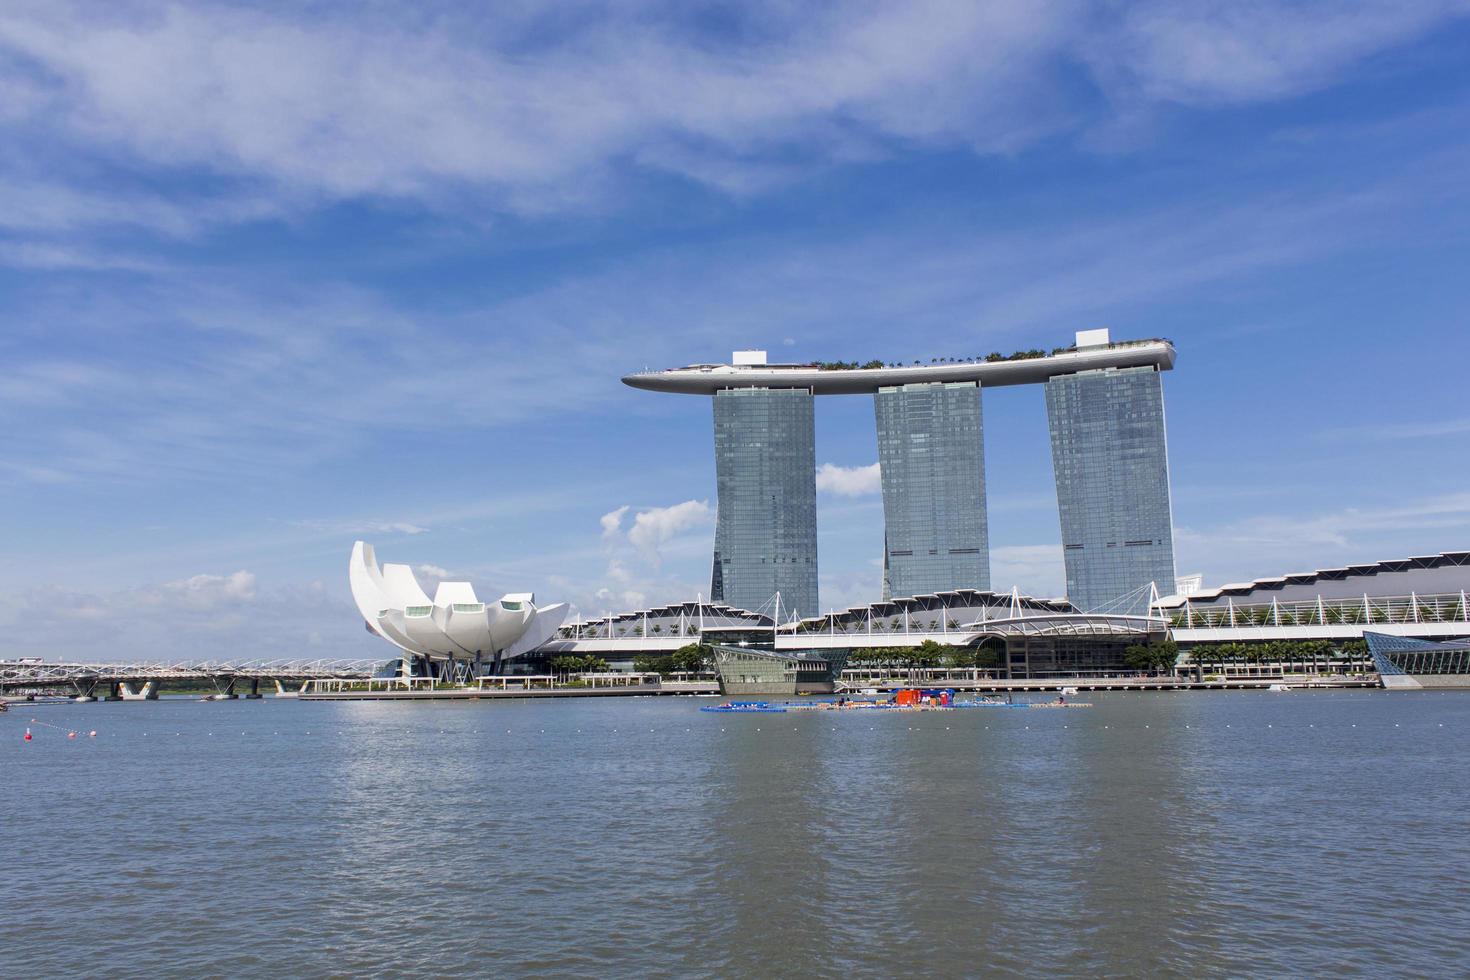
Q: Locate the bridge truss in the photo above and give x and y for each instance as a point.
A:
(82, 677)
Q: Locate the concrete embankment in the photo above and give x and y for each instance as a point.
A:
(987, 686)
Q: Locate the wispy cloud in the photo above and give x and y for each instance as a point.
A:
(849, 481)
(204, 616)
(655, 527)
(1425, 429)
(349, 101)
(1266, 544)
(1036, 569)
(347, 527)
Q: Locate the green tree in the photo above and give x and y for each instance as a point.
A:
(564, 664)
(646, 664)
(926, 654)
(1151, 657)
(960, 657)
(692, 658)
(569, 664)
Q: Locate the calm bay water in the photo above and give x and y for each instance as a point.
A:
(1177, 833)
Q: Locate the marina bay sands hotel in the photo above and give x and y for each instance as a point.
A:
(1105, 409)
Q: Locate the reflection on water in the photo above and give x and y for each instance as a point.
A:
(1182, 833)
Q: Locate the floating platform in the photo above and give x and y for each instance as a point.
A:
(746, 708)
(781, 707)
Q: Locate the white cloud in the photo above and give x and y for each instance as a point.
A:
(204, 616)
(656, 526)
(1199, 51)
(432, 571)
(210, 590)
(291, 357)
(621, 601)
(853, 586)
(612, 523)
(1398, 431)
(540, 110)
(635, 558)
(1275, 544)
(849, 481)
(1035, 569)
(363, 527)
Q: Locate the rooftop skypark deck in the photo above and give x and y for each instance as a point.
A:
(1031, 367)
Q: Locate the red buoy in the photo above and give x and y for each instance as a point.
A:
(28, 735)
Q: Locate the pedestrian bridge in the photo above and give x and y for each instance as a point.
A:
(129, 681)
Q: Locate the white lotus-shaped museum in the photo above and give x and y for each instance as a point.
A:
(454, 626)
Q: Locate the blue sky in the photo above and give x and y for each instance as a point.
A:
(274, 277)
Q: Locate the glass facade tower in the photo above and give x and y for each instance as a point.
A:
(1112, 472)
(931, 455)
(765, 476)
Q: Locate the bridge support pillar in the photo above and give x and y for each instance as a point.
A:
(112, 692)
(254, 694)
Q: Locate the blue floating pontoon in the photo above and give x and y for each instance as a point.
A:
(745, 707)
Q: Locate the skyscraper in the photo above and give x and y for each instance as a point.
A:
(766, 524)
(1106, 410)
(1112, 473)
(931, 456)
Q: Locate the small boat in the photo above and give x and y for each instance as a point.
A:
(1068, 691)
(1277, 687)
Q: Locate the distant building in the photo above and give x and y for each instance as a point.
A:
(746, 670)
(932, 461)
(1188, 584)
(766, 523)
(454, 635)
(1258, 628)
(1105, 402)
(1029, 637)
(1421, 597)
(1407, 664)
(1112, 473)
